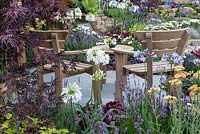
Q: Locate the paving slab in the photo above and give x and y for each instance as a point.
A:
(108, 89)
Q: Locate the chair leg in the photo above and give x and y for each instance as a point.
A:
(58, 78)
(40, 80)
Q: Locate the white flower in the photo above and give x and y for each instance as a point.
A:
(70, 15)
(113, 3)
(122, 5)
(110, 41)
(90, 17)
(98, 56)
(196, 61)
(72, 92)
(98, 75)
(78, 13)
(57, 16)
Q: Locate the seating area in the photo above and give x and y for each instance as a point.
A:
(99, 66)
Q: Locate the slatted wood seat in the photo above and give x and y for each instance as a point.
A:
(160, 42)
(54, 41)
(77, 69)
(158, 67)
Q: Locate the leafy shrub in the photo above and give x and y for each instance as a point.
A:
(12, 125)
(80, 38)
(90, 6)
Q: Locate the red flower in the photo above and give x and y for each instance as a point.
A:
(196, 53)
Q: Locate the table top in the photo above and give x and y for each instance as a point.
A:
(105, 48)
(123, 49)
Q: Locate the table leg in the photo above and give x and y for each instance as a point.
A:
(120, 60)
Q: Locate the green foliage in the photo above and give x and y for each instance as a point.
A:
(66, 117)
(12, 125)
(118, 14)
(136, 26)
(90, 6)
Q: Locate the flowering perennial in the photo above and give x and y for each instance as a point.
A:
(175, 82)
(110, 41)
(171, 99)
(70, 15)
(98, 56)
(72, 92)
(98, 75)
(90, 17)
(194, 90)
(173, 58)
(153, 90)
(142, 55)
(197, 75)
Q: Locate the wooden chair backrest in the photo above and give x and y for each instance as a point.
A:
(54, 39)
(162, 42)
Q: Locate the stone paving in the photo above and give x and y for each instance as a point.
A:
(108, 90)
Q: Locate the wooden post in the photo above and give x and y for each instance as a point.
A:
(149, 45)
(97, 86)
(120, 61)
(39, 70)
(58, 76)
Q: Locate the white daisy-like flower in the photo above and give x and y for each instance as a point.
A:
(97, 56)
(71, 92)
(90, 17)
(78, 13)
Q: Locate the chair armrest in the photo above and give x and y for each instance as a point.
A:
(75, 52)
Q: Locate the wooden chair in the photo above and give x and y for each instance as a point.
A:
(159, 42)
(54, 40)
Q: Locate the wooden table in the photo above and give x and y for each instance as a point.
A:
(121, 53)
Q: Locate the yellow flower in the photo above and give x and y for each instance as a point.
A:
(153, 90)
(37, 19)
(197, 75)
(193, 88)
(167, 97)
(150, 92)
(175, 82)
(182, 74)
(178, 68)
(192, 94)
(171, 99)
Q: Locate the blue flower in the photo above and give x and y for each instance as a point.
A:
(173, 58)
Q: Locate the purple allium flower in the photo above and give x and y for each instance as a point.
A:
(142, 55)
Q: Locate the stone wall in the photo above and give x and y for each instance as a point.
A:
(102, 23)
